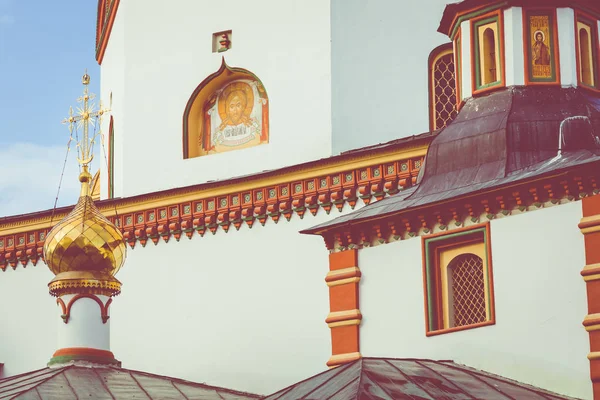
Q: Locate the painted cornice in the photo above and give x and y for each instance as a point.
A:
(512, 199)
(370, 173)
(107, 11)
(456, 13)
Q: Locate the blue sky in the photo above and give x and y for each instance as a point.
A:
(45, 46)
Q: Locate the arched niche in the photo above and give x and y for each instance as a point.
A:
(228, 111)
(489, 57)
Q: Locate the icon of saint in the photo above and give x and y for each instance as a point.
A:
(237, 127)
(540, 52)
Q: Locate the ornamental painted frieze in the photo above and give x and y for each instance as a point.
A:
(278, 195)
(228, 111)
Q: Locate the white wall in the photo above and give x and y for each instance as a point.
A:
(85, 327)
(379, 52)
(566, 42)
(465, 60)
(29, 319)
(168, 53)
(540, 301)
(243, 310)
(513, 46)
(112, 76)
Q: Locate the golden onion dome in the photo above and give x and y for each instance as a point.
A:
(84, 250)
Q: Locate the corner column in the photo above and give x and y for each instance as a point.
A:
(590, 227)
(344, 317)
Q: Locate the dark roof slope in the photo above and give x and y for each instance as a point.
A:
(78, 382)
(390, 378)
(506, 137)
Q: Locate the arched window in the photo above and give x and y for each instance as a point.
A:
(466, 291)
(458, 281)
(442, 87)
(228, 111)
(489, 57)
(585, 56)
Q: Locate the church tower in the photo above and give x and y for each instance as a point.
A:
(84, 251)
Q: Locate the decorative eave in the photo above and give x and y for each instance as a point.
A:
(456, 13)
(511, 199)
(107, 11)
(499, 156)
(360, 175)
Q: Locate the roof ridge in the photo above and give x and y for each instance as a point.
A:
(22, 374)
(540, 391)
(183, 381)
(58, 371)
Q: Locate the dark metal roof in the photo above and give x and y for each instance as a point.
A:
(390, 378)
(506, 137)
(78, 382)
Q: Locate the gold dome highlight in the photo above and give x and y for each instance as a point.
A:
(84, 250)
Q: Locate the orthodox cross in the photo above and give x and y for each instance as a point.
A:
(85, 116)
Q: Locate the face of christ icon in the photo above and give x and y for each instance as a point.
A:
(235, 107)
(539, 51)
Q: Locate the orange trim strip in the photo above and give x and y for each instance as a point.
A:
(591, 218)
(104, 30)
(83, 351)
(337, 275)
(344, 317)
(345, 358)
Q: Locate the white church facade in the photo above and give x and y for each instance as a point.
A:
(304, 185)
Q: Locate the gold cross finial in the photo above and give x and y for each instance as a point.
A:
(85, 116)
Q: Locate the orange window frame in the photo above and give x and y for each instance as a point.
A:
(592, 22)
(500, 83)
(432, 247)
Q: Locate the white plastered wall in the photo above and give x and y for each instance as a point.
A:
(514, 57)
(244, 310)
(85, 327)
(540, 301)
(30, 318)
(112, 75)
(466, 70)
(566, 43)
(168, 53)
(379, 68)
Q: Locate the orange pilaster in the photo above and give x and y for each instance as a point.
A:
(590, 227)
(344, 317)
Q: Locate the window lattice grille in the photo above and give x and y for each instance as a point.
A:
(468, 290)
(444, 91)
